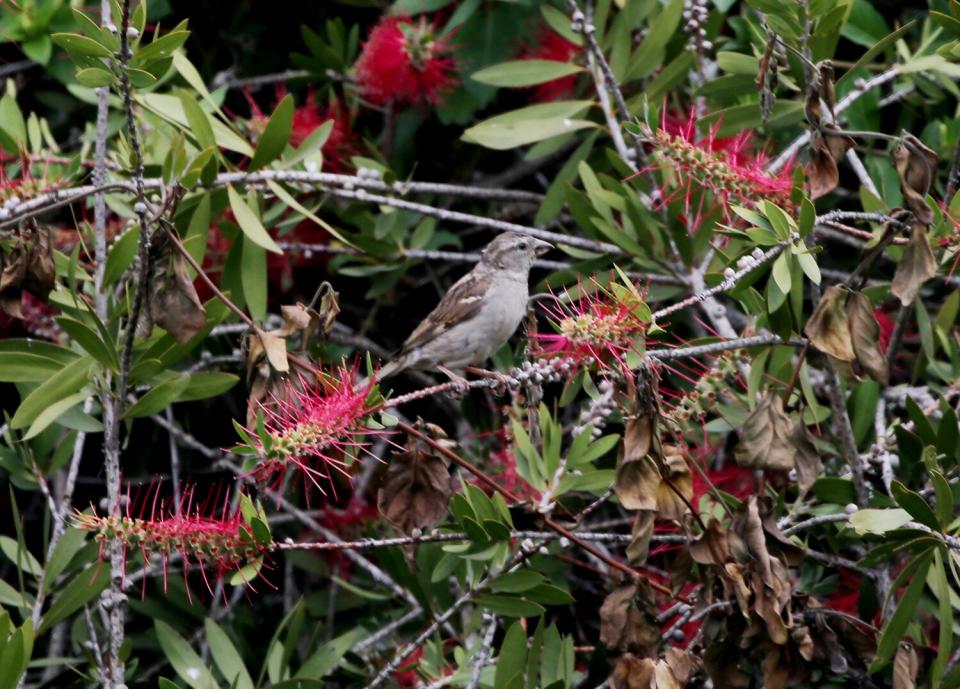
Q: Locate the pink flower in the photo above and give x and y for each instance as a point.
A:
(728, 168)
(219, 539)
(405, 62)
(315, 432)
(601, 326)
(549, 45)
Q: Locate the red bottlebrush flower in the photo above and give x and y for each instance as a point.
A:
(37, 320)
(549, 45)
(728, 168)
(601, 327)
(221, 540)
(405, 62)
(313, 433)
(886, 328)
(847, 594)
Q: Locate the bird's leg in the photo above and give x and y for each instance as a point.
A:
(503, 380)
(462, 385)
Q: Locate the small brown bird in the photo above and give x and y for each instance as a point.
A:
(477, 315)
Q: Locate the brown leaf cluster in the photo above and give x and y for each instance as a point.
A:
(266, 351)
(415, 489)
(843, 327)
(826, 146)
(917, 167)
(916, 266)
(628, 619)
(771, 624)
(172, 301)
(673, 670)
(27, 267)
(651, 478)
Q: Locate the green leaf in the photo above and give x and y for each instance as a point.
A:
(276, 134)
(54, 412)
(894, 630)
(940, 585)
(649, 55)
(914, 504)
(121, 255)
(171, 109)
(13, 129)
(781, 272)
(67, 382)
(519, 73)
(944, 497)
(69, 545)
(82, 589)
(161, 48)
(288, 199)
(184, 660)
(95, 77)
(22, 367)
(80, 46)
(21, 557)
(249, 222)
(201, 126)
(518, 581)
(158, 398)
(326, 658)
(226, 657)
(253, 278)
(512, 658)
(878, 48)
(90, 341)
(207, 384)
(877, 521)
(528, 125)
(510, 606)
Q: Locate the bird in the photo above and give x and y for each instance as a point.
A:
(477, 315)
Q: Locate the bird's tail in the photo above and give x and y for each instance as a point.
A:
(388, 369)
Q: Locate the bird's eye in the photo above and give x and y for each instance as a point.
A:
(524, 245)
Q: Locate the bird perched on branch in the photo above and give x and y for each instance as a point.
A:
(477, 315)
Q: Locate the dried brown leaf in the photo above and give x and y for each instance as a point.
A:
(917, 166)
(906, 664)
(41, 272)
(636, 484)
(828, 328)
(865, 337)
(765, 438)
(916, 266)
(632, 672)
(13, 270)
(628, 619)
(806, 459)
(823, 175)
(675, 468)
(415, 489)
(641, 536)
(174, 304)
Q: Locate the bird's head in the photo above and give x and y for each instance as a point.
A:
(515, 252)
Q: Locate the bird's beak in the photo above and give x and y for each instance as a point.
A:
(541, 247)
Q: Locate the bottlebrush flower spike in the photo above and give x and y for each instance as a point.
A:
(405, 62)
(219, 540)
(602, 326)
(315, 432)
(549, 45)
(726, 167)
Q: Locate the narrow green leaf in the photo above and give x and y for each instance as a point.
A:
(877, 48)
(894, 630)
(67, 382)
(80, 46)
(520, 73)
(158, 398)
(249, 222)
(276, 134)
(184, 660)
(19, 556)
(82, 589)
(512, 658)
(253, 277)
(199, 121)
(226, 657)
(90, 341)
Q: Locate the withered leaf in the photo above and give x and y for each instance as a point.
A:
(628, 619)
(274, 347)
(916, 266)
(721, 662)
(41, 272)
(765, 438)
(775, 672)
(415, 489)
(636, 484)
(906, 664)
(917, 166)
(827, 91)
(632, 672)
(641, 535)
(807, 459)
(823, 175)
(828, 328)
(14, 270)
(801, 637)
(712, 547)
(669, 504)
(865, 337)
(174, 303)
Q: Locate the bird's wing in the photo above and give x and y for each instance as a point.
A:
(461, 302)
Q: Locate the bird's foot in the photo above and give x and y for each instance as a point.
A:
(503, 381)
(461, 383)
